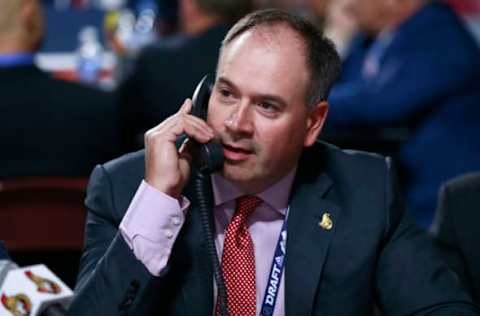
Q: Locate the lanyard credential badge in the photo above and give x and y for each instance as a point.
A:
(276, 271)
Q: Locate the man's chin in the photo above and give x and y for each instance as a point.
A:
(236, 172)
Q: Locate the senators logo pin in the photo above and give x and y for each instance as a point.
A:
(43, 285)
(17, 305)
(326, 222)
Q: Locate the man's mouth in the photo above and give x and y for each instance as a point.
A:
(236, 153)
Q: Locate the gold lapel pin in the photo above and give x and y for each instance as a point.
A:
(326, 222)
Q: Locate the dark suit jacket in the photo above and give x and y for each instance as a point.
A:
(372, 253)
(51, 127)
(165, 75)
(429, 82)
(456, 228)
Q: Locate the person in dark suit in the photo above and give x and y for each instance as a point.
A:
(413, 78)
(349, 243)
(456, 228)
(166, 72)
(48, 127)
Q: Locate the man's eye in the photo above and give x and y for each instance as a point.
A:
(225, 93)
(268, 107)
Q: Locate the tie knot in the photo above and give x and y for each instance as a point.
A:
(246, 205)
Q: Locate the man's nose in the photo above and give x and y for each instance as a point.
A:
(240, 119)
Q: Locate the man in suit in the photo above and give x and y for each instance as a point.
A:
(349, 244)
(421, 73)
(456, 228)
(48, 127)
(167, 72)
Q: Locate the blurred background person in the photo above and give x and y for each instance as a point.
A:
(130, 26)
(334, 17)
(53, 133)
(422, 73)
(48, 127)
(340, 24)
(168, 71)
(337, 19)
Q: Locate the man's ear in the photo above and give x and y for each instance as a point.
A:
(315, 120)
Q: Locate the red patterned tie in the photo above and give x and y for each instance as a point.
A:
(238, 261)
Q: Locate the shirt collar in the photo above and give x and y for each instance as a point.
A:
(276, 196)
(17, 59)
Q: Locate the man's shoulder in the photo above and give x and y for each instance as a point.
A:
(346, 168)
(128, 164)
(334, 159)
(119, 179)
(122, 175)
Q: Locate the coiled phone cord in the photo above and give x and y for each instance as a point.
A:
(202, 187)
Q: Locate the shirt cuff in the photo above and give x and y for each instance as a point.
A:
(151, 225)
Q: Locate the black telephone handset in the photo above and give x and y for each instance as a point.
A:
(208, 159)
(210, 156)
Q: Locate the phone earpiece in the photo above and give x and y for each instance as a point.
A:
(201, 96)
(209, 158)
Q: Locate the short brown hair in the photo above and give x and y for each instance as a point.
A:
(323, 61)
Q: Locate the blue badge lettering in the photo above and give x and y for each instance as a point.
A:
(272, 287)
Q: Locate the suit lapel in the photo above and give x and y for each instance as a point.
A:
(307, 243)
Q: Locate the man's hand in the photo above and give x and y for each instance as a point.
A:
(167, 169)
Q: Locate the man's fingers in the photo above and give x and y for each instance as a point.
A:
(190, 125)
(186, 106)
(177, 119)
(180, 124)
(198, 123)
(195, 131)
(200, 137)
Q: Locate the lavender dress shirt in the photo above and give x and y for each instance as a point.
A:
(154, 219)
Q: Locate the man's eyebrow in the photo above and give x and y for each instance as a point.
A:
(224, 80)
(267, 97)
